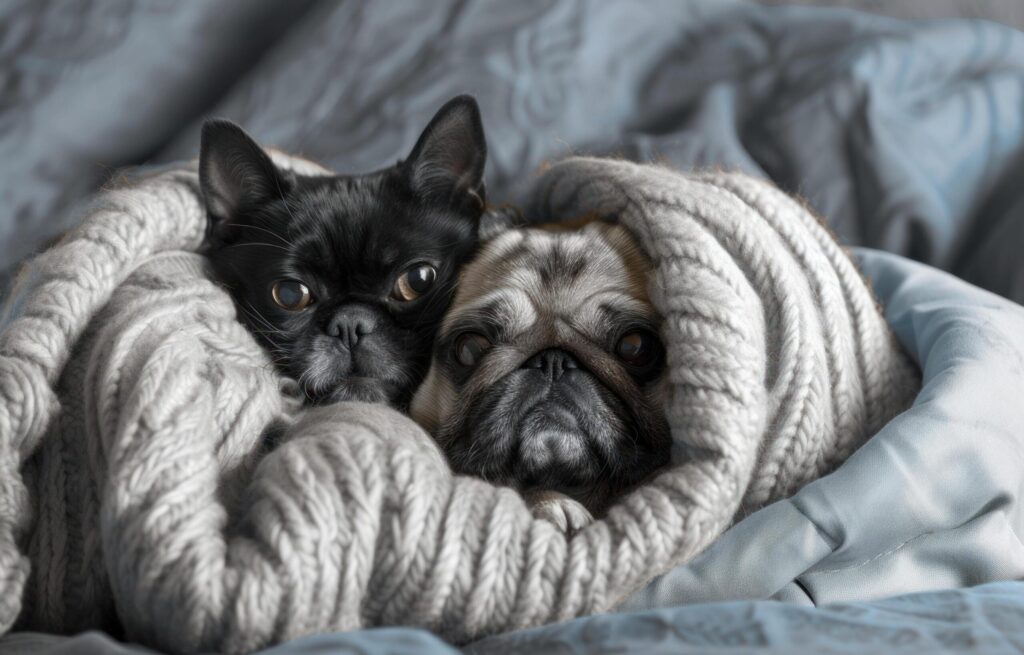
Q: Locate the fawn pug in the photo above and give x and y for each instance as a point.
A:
(548, 374)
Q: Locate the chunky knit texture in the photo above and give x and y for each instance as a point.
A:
(158, 474)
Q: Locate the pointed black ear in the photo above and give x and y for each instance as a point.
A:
(234, 172)
(447, 164)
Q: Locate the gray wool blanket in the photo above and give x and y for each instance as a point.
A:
(159, 477)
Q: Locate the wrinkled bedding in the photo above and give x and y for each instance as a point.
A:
(987, 619)
(908, 137)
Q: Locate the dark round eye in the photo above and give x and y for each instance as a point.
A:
(638, 348)
(470, 347)
(291, 295)
(414, 282)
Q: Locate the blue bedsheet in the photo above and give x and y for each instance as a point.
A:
(987, 619)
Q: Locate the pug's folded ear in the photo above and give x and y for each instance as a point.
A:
(235, 174)
(447, 164)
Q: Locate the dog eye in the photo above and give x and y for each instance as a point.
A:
(638, 348)
(470, 347)
(414, 282)
(291, 295)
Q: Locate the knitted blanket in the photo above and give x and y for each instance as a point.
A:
(160, 479)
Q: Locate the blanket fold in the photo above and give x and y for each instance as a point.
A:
(160, 475)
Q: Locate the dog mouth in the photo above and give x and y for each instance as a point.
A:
(328, 373)
(357, 388)
(554, 450)
(562, 435)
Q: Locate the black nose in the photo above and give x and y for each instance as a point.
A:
(553, 361)
(350, 323)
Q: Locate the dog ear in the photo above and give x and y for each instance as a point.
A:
(234, 172)
(447, 164)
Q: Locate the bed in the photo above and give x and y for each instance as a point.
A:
(907, 136)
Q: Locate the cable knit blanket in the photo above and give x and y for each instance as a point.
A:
(159, 478)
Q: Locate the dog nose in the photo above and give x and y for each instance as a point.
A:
(554, 362)
(350, 323)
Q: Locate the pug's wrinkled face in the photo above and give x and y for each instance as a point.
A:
(548, 372)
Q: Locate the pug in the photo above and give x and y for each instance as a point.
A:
(548, 374)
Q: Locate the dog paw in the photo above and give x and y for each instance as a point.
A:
(564, 513)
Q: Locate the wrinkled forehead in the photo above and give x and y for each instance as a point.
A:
(582, 278)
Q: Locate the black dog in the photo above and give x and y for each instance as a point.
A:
(345, 278)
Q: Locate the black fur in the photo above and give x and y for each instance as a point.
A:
(348, 239)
